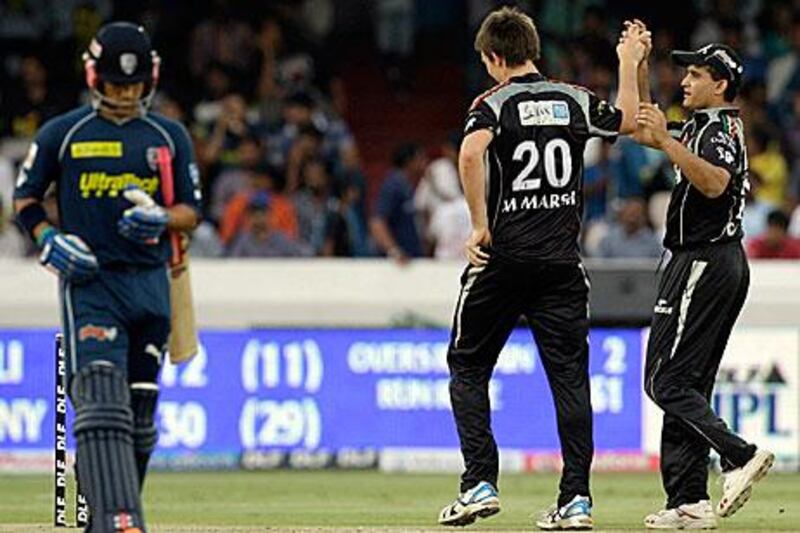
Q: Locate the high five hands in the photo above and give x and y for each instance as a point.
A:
(650, 120)
(636, 30)
(635, 42)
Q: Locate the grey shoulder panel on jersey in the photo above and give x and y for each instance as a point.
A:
(496, 100)
(72, 131)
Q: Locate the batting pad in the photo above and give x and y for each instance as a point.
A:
(105, 457)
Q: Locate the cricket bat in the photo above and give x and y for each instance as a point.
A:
(183, 343)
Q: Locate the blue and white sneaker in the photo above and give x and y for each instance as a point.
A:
(481, 501)
(576, 515)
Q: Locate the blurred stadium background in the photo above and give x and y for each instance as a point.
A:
(319, 352)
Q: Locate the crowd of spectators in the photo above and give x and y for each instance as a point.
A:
(627, 186)
(282, 171)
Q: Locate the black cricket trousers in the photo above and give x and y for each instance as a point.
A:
(554, 299)
(700, 296)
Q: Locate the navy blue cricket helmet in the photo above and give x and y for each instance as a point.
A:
(121, 53)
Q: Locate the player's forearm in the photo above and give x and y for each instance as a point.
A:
(39, 228)
(473, 179)
(628, 96)
(182, 218)
(709, 179)
(643, 81)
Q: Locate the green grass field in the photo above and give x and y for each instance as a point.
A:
(346, 500)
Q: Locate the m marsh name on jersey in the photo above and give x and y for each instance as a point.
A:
(540, 201)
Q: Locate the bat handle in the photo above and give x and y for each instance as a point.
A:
(177, 248)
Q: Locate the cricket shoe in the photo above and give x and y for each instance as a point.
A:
(738, 484)
(574, 516)
(481, 501)
(698, 515)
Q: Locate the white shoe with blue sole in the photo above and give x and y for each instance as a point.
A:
(481, 501)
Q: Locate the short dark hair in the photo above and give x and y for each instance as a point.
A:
(511, 34)
(731, 91)
(778, 218)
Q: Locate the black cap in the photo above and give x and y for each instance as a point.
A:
(721, 58)
(122, 53)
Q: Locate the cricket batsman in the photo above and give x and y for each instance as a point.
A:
(108, 163)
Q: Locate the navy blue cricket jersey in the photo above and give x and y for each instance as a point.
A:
(92, 160)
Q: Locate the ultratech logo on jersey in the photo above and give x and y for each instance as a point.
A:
(100, 184)
(540, 201)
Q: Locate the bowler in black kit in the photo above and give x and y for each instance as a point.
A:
(521, 164)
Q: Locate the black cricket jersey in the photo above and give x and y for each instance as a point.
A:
(92, 160)
(693, 219)
(535, 163)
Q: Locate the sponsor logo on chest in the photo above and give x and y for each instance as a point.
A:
(99, 184)
(88, 149)
(544, 113)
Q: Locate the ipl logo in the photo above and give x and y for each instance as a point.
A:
(751, 399)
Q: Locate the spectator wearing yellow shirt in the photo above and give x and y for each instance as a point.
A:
(768, 169)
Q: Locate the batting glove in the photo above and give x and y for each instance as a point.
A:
(68, 256)
(142, 224)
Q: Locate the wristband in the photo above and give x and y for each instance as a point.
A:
(31, 216)
(49, 230)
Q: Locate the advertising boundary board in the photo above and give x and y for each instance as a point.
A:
(361, 398)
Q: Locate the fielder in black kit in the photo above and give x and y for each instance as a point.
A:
(701, 292)
(521, 164)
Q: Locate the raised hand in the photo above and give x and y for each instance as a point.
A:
(645, 36)
(632, 45)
